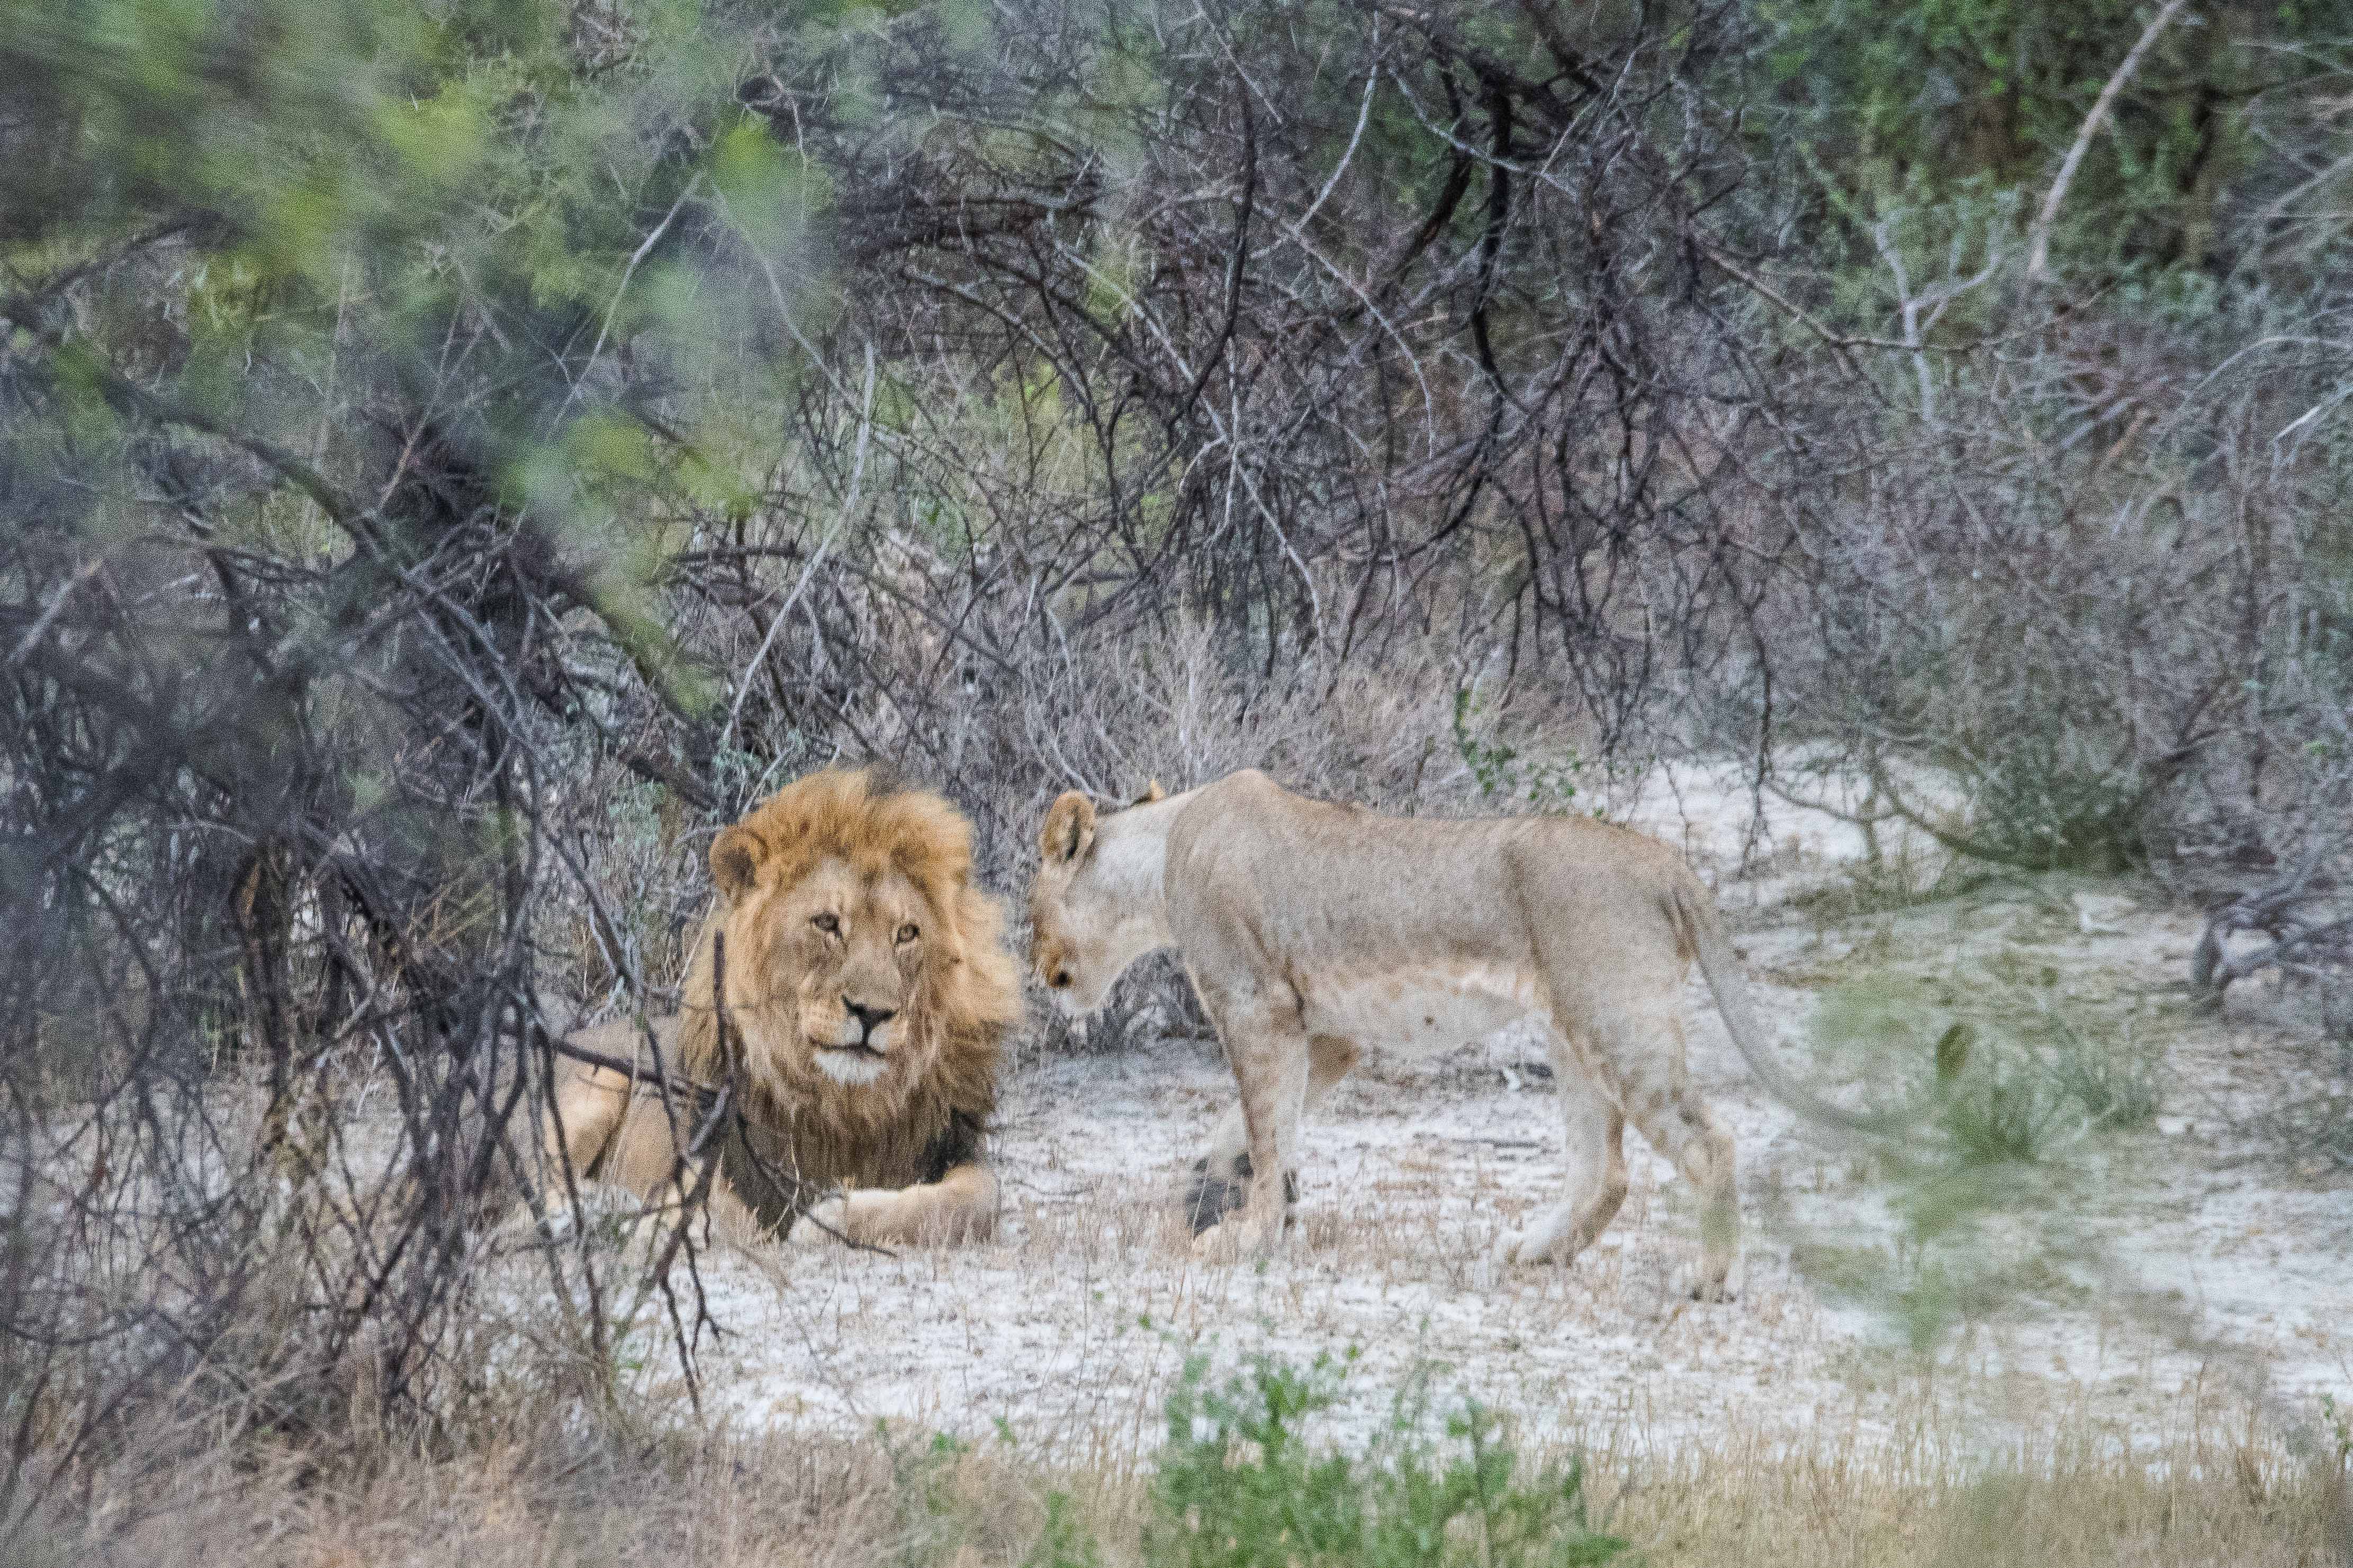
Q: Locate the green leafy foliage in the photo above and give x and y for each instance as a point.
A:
(1504, 772)
(2003, 1113)
(448, 222)
(1930, 99)
(1240, 1486)
(2022, 1103)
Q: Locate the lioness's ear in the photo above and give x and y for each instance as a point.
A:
(735, 858)
(1069, 829)
(1152, 792)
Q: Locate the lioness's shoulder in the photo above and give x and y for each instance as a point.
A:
(1243, 782)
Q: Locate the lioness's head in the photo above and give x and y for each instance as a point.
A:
(854, 938)
(1095, 907)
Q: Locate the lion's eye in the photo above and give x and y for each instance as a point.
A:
(826, 923)
(908, 933)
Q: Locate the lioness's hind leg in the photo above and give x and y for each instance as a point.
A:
(1646, 1054)
(1596, 1131)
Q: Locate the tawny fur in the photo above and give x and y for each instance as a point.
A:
(1311, 930)
(879, 863)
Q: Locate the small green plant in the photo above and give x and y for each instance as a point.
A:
(2117, 1085)
(2008, 1113)
(1238, 1487)
(1064, 1542)
(2002, 1094)
(1502, 771)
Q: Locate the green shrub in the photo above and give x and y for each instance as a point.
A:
(2008, 1113)
(1238, 1487)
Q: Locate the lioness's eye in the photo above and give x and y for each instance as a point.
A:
(826, 923)
(908, 933)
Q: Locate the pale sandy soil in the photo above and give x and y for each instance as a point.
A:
(2178, 1268)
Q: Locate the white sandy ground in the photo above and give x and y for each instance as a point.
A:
(2229, 1278)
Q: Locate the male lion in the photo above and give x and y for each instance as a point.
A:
(1309, 929)
(868, 990)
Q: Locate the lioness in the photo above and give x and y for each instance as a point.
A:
(868, 990)
(1309, 929)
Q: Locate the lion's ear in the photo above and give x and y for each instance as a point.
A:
(1069, 829)
(1153, 792)
(735, 858)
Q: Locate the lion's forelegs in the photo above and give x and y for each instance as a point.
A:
(584, 1107)
(1221, 1176)
(590, 1105)
(961, 1206)
(644, 1159)
(596, 1121)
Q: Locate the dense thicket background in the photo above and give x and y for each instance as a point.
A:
(454, 457)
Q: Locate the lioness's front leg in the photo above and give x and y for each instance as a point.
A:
(1269, 1051)
(960, 1206)
(1220, 1177)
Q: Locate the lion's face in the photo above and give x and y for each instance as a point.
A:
(827, 966)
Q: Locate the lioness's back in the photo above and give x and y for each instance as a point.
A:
(1246, 852)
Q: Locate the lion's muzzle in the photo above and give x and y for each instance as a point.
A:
(860, 1047)
(872, 1024)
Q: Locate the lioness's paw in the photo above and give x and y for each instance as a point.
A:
(1538, 1243)
(1241, 1240)
(1261, 1235)
(821, 1225)
(1693, 1285)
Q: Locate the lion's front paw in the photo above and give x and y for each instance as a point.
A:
(1544, 1239)
(821, 1225)
(1263, 1236)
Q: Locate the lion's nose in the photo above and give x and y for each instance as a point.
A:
(869, 1018)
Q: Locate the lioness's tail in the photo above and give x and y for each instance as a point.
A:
(1693, 913)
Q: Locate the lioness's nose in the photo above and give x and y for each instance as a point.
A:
(869, 1018)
